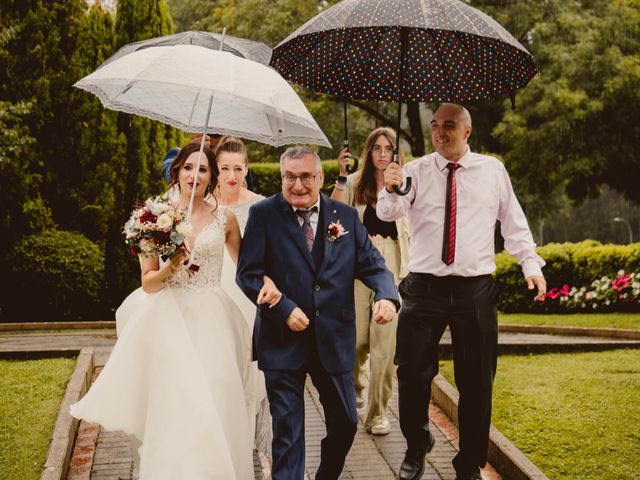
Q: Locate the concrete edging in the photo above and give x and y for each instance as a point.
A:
(13, 327)
(574, 331)
(66, 427)
(503, 455)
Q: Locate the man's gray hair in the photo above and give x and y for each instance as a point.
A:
(300, 151)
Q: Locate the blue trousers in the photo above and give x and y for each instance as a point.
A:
(285, 389)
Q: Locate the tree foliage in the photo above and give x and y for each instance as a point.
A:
(136, 165)
(577, 125)
(78, 166)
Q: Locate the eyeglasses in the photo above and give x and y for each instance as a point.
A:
(377, 149)
(306, 179)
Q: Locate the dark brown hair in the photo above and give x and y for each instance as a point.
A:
(180, 160)
(366, 190)
(231, 144)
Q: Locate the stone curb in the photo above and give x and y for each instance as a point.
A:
(572, 331)
(71, 352)
(503, 455)
(66, 427)
(16, 327)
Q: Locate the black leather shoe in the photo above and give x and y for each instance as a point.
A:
(412, 466)
(471, 476)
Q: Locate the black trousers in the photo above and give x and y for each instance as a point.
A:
(285, 390)
(468, 306)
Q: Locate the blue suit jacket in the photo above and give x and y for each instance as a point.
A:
(274, 244)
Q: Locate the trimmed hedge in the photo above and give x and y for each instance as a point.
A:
(575, 264)
(55, 275)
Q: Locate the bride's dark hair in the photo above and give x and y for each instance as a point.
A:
(180, 160)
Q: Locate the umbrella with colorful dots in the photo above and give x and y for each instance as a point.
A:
(405, 50)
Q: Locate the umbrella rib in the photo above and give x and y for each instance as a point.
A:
(375, 11)
(193, 108)
(470, 22)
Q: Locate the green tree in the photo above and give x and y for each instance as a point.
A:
(89, 184)
(22, 209)
(187, 14)
(577, 125)
(140, 144)
(39, 71)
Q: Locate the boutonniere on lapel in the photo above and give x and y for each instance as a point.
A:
(335, 231)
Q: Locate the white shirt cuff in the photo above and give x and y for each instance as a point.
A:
(531, 268)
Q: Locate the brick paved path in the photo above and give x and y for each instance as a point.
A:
(102, 455)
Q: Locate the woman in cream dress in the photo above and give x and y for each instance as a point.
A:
(232, 192)
(374, 342)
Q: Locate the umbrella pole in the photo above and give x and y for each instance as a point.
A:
(350, 169)
(224, 32)
(204, 134)
(404, 33)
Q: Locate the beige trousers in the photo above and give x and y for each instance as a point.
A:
(378, 342)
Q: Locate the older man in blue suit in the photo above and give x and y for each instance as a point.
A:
(313, 248)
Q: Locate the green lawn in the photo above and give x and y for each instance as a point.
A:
(576, 416)
(30, 395)
(600, 320)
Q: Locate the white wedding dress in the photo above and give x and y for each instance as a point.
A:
(176, 377)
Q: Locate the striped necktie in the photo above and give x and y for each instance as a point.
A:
(307, 229)
(449, 234)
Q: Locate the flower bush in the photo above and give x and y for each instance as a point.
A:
(575, 265)
(605, 293)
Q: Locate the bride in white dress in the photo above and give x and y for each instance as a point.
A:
(176, 379)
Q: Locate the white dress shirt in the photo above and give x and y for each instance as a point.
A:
(313, 218)
(484, 194)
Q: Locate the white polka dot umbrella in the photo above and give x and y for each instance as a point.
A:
(197, 89)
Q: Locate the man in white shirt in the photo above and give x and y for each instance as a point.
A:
(453, 204)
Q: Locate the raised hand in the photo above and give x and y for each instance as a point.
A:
(344, 160)
(392, 176)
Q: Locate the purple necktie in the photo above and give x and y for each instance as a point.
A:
(449, 227)
(306, 225)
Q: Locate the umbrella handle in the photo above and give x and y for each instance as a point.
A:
(407, 182)
(354, 168)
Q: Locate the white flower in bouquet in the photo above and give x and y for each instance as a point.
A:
(157, 205)
(164, 221)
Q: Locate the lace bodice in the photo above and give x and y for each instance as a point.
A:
(207, 253)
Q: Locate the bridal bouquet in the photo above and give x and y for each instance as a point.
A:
(156, 229)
